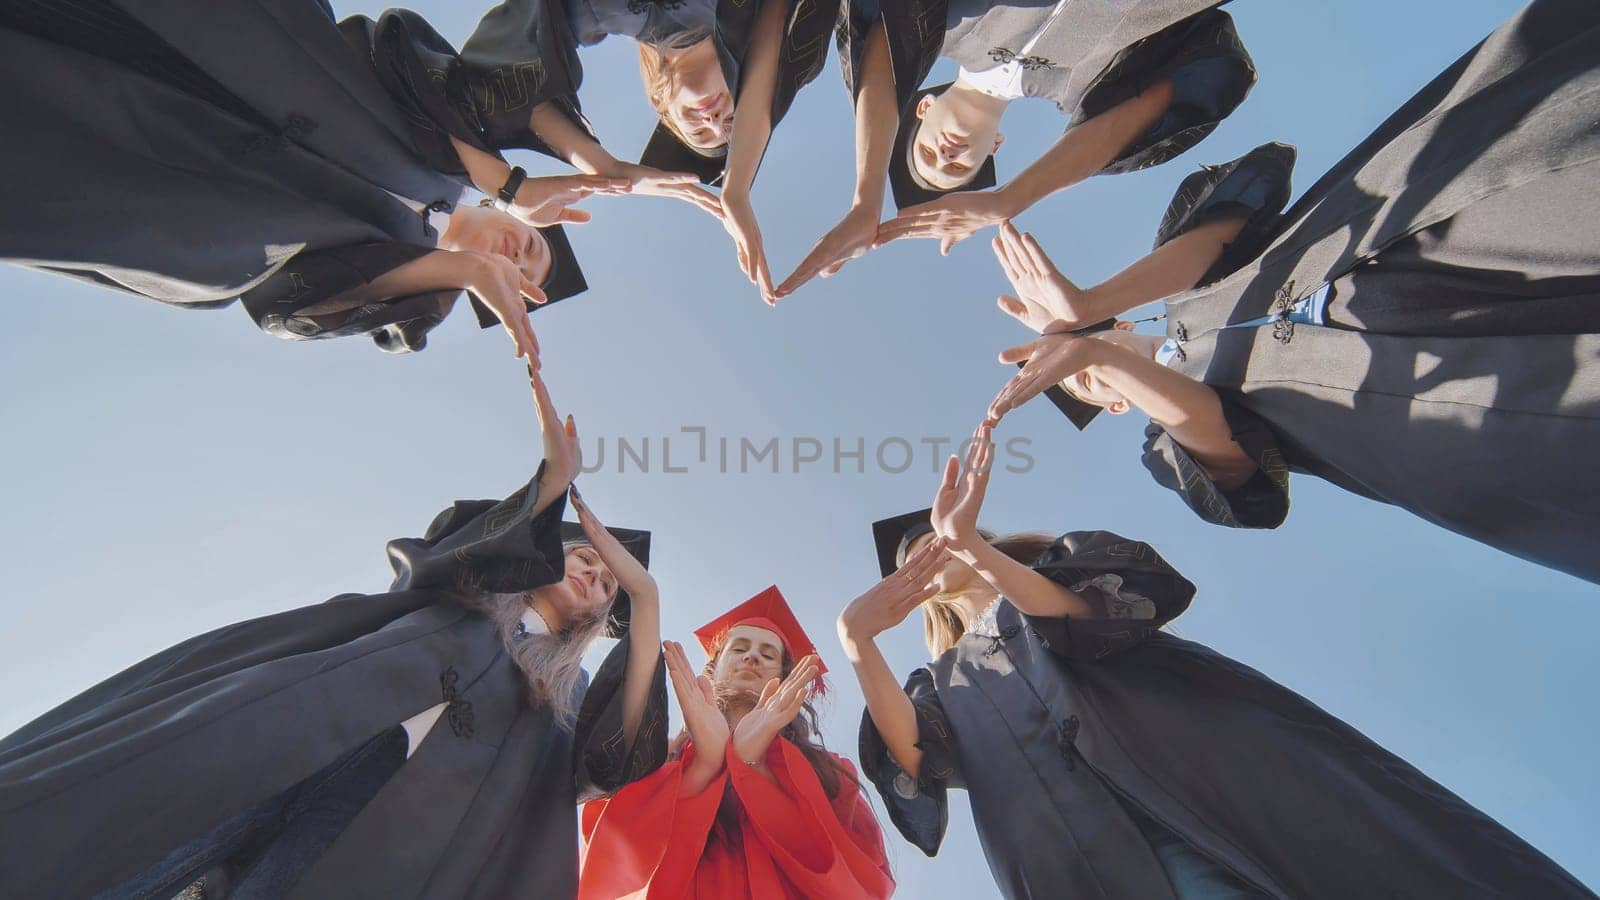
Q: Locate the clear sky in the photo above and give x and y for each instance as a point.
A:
(165, 472)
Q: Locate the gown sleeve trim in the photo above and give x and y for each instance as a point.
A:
(604, 762)
(1261, 502)
(1210, 70)
(918, 806)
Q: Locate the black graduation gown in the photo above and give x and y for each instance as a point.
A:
(258, 150)
(1189, 42)
(101, 788)
(1458, 375)
(1058, 728)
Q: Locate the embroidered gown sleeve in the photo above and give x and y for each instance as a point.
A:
(1210, 73)
(1261, 502)
(917, 806)
(1133, 590)
(521, 54)
(602, 759)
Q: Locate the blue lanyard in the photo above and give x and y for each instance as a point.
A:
(1311, 309)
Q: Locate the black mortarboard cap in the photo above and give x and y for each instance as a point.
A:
(895, 535)
(907, 186)
(1077, 412)
(666, 152)
(564, 280)
(637, 543)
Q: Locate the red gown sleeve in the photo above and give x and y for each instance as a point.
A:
(645, 841)
(807, 844)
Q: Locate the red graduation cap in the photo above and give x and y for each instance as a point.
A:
(768, 610)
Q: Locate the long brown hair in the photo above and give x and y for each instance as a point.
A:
(942, 624)
(803, 732)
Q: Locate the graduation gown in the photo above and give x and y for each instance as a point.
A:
(99, 789)
(259, 151)
(790, 840)
(1102, 54)
(1458, 373)
(1066, 733)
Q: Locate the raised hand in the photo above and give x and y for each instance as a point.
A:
(951, 219)
(697, 698)
(739, 220)
(545, 200)
(889, 601)
(562, 459)
(960, 495)
(1045, 300)
(676, 185)
(778, 706)
(631, 574)
(501, 286)
(1050, 359)
(850, 239)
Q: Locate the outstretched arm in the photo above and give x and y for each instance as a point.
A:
(876, 121)
(752, 129)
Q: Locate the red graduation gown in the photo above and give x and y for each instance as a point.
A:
(791, 841)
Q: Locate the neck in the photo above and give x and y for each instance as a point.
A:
(972, 604)
(971, 96)
(540, 602)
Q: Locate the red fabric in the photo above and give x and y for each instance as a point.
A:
(768, 610)
(791, 841)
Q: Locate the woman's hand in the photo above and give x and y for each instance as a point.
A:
(1050, 359)
(631, 574)
(778, 706)
(952, 218)
(960, 495)
(739, 220)
(501, 286)
(707, 725)
(545, 200)
(656, 183)
(889, 601)
(562, 459)
(848, 240)
(1045, 301)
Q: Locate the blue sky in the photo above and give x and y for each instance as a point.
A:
(166, 472)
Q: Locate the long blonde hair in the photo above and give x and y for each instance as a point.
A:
(942, 617)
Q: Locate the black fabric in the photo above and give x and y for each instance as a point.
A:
(1261, 502)
(1211, 73)
(1065, 751)
(184, 740)
(1457, 375)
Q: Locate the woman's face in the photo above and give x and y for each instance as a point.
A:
(954, 139)
(589, 587)
(700, 105)
(750, 658)
(955, 576)
(482, 229)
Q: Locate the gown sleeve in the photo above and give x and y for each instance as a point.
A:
(281, 304)
(1210, 72)
(915, 32)
(1261, 502)
(500, 546)
(603, 760)
(521, 55)
(1134, 590)
(917, 806)
(802, 832)
(646, 837)
(1255, 186)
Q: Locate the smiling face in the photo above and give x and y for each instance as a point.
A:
(588, 587)
(482, 229)
(953, 139)
(690, 93)
(750, 657)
